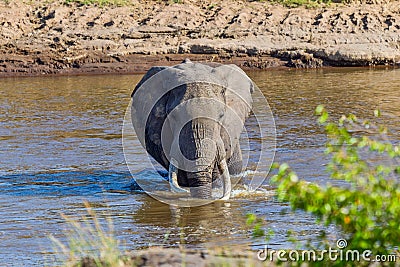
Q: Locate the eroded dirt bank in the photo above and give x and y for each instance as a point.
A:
(192, 258)
(39, 38)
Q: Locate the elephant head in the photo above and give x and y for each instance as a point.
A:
(189, 118)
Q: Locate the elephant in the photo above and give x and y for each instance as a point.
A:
(189, 118)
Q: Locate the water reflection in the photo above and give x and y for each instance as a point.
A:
(194, 225)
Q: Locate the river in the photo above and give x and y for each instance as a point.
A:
(61, 145)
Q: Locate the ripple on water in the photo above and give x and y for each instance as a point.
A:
(66, 183)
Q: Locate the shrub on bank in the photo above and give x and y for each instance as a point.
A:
(367, 208)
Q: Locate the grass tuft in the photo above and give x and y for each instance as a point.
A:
(88, 240)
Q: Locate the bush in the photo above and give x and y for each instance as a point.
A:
(368, 209)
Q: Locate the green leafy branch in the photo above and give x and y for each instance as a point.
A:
(368, 210)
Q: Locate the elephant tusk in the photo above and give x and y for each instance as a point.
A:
(226, 180)
(173, 180)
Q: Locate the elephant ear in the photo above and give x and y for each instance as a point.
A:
(152, 71)
(148, 113)
(239, 88)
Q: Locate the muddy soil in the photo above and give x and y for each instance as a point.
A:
(52, 37)
(178, 257)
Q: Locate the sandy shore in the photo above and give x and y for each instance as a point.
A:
(57, 38)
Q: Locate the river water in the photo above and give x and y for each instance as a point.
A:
(61, 146)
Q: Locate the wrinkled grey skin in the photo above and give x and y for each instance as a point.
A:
(205, 132)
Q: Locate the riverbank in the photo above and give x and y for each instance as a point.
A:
(59, 38)
(157, 256)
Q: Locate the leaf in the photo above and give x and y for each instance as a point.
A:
(251, 218)
(323, 118)
(319, 110)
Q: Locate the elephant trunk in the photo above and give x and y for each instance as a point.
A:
(200, 184)
(200, 176)
(194, 156)
(200, 150)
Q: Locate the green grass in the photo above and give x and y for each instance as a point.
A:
(307, 3)
(311, 3)
(112, 2)
(99, 2)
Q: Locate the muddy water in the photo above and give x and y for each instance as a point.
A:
(61, 145)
